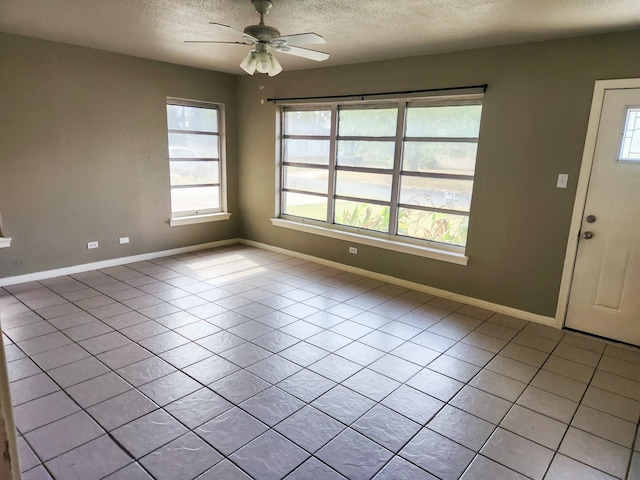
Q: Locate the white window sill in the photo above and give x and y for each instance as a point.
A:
(5, 242)
(211, 217)
(418, 250)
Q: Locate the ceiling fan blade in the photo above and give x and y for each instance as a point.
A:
(223, 43)
(309, 38)
(235, 31)
(303, 52)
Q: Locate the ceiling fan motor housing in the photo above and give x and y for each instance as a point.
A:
(264, 33)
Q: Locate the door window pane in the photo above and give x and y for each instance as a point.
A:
(631, 137)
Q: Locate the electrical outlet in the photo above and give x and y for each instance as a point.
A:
(353, 250)
(91, 245)
(123, 240)
(563, 179)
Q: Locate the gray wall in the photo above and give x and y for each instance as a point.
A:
(533, 128)
(83, 154)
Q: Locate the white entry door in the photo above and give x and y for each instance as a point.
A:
(605, 291)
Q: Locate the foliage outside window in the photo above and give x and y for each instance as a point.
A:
(195, 157)
(400, 169)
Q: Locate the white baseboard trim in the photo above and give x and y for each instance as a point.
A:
(494, 307)
(114, 262)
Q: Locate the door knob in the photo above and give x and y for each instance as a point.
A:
(587, 235)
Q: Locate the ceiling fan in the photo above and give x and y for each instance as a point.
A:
(264, 38)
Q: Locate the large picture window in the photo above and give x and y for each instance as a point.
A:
(397, 169)
(195, 158)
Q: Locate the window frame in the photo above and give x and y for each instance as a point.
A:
(391, 239)
(188, 217)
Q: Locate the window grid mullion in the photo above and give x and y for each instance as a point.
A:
(362, 200)
(382, 171)
(357, 138)
(283, 163)
(304, 192)
(193, 132)
(442, 139)
(305, 165)
(445, 176)
(195, 185)
(397, 168)
(305, 137)
(462, 213)
(196, 159)
(333, 154)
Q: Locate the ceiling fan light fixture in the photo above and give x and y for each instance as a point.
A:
(249, 63)
(276, 68)
(263, 60)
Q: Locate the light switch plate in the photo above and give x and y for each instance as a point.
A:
(563, 179)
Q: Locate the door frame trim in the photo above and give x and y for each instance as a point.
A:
(601, 86)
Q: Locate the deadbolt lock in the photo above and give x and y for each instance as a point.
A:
(591, 219)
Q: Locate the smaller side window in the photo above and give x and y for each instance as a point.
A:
(196, 160)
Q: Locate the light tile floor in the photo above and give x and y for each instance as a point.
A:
(241, 363)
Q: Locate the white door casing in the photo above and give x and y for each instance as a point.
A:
(604, 277)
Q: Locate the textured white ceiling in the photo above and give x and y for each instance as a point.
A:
(356, 30)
